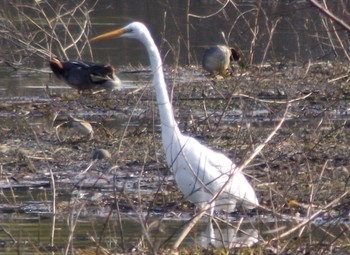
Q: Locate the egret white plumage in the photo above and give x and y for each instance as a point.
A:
(200, 172)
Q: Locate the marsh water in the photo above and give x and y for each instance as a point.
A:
(30, 149)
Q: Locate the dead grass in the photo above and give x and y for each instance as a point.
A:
(301, 175)
(42, 29)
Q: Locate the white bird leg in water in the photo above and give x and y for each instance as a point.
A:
(200, 172)
(210, 233)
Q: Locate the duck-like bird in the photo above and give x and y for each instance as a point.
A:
(200, 173)
(85, 76)
(218, 59)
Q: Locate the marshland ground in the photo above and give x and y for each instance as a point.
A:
(296, 73)
(306, 161)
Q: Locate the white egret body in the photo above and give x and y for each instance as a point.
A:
(200, 172)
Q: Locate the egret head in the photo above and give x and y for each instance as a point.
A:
(135, 30)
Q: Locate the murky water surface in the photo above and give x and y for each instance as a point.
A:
(110, 201)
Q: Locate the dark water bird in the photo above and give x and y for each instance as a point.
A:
(218, 59)
(86, 76)
(200, 173)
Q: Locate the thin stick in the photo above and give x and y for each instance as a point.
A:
(210, 15)
(188, 31)
(73, 226)
(302, 224)
(53, 188)
(330, 15)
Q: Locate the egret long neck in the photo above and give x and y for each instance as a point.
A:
(167, 119)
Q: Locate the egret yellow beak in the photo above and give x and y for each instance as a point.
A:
(108, 35)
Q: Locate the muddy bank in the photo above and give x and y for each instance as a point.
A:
(233, 115)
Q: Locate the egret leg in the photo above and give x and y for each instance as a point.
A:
(210, 232)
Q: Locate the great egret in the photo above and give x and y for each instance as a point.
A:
(218, 59)
(200, 172)
(85, 76)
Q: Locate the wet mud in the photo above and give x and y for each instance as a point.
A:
(307, 161)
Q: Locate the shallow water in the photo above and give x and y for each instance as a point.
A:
(29, 147)
(22, 238)
(27, 202)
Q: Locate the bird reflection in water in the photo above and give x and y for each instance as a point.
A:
(228, 237)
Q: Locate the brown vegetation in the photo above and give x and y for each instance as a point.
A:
(301, 175)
